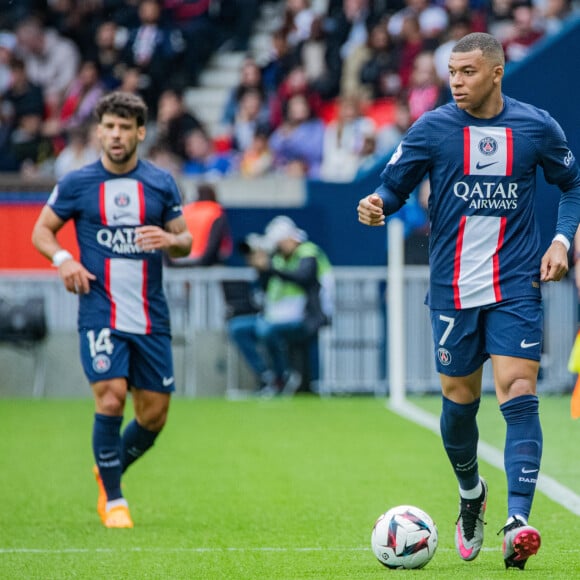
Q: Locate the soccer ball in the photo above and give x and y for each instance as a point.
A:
(404, 537)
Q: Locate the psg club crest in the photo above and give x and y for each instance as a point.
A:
(122, 200)
(488, 146)
(444, 356)
(101, 363)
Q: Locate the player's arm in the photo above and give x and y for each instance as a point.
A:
(560, 168)
(554, 265)
(175, 239)
(403, 172)
(75, 276)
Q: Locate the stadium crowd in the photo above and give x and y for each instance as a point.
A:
(341, 83)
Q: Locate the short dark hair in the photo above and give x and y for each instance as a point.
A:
(122, 104)
(206, 192)
(490, 47)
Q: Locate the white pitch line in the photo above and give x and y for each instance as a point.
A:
(156, 550)
(555, 491)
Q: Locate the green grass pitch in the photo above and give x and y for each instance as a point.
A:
(275, 490)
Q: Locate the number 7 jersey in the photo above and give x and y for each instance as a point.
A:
(107, 208)
(484, 243)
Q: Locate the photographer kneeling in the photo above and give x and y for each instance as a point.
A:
(296, 276)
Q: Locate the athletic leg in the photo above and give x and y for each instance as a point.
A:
(515, 359)
(110, 396)
(151, 410)
(459, 355)
(460, 436)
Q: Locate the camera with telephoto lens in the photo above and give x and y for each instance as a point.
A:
(253, 243)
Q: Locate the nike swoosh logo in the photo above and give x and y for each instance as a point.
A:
(525, 344)
(464, 551)
(524, 470)
(478, 165)
(168, 381)
(110, 455)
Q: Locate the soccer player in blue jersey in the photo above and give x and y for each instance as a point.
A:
(126, 212)
(486, 267)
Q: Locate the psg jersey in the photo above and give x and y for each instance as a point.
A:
(107, 208)
(484, 243)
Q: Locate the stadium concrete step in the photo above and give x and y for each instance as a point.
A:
(201, 97)
(219, 78)
(222, 73)
(227, 60)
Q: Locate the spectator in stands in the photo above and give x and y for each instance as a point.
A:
(312, 52)
(370, 158)
(23, 97)
(250, 78)
(131, 81)
(458, 27)
(500, 24)
(33, 151)
(462, 9)
(154, 49)
(82, 148)
(390, 135)
(424, 92)
(107, 51)
(279, 61)
(124, 12)
(257, 159)
(296, 83)
(251, 115)
(524, 33)
(344, 141)
(345, 30)
(202, 160)
(7, 45)
(74, 20)
(208, 224)
(431, 18)
(298, 19)
(298, 288)
(81, 97)
(412, 43)
(379, 63)
(51, 61)
(233, 21)
(192, 18)
(172, 123)
(297, 143)
(162, 156)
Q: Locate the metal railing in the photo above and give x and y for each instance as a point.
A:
(353, 350)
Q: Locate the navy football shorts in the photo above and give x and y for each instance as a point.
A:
(464, 339)
(145, 360)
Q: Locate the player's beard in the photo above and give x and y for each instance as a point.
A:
(122, 158)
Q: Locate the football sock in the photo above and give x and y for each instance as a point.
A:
(460, 435)
(473, 493)
(135, 441)
(116, 503)
(522, 452)
(107, 451)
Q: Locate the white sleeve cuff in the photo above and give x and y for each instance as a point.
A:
(562, 238)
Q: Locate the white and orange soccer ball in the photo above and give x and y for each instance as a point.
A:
(404, 537)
